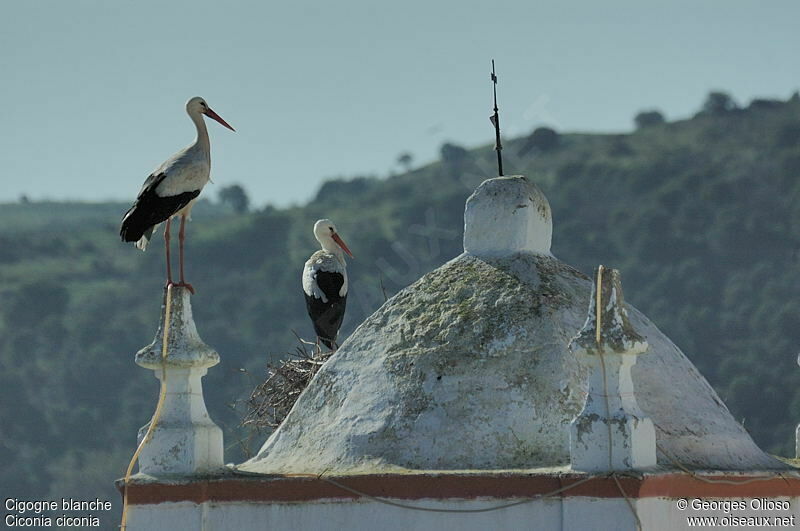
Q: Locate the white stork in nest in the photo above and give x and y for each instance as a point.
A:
(325, 283)
(172, 188)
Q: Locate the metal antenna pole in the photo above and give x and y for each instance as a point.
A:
(495, 119)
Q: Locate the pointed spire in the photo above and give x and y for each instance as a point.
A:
(495, 119)
(611, 432)
(607, 309)
(185, 440)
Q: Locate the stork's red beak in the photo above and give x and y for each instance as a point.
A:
(341, 244)
(211, 114)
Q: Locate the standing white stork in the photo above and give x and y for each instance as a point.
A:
(325, 283)
(172, 189)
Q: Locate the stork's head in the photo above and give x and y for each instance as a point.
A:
(326, 235)
(197, 106)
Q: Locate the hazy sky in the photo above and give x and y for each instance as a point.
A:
(92, 93)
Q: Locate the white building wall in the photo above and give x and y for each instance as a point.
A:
(569, 514)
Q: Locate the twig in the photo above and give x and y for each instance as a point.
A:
(271, 401)
(383, 289)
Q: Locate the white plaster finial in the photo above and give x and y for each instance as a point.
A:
(185, 439)
(611, 432)
(507, 215)
(616, 332)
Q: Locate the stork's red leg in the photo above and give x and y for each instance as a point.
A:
(166, 247)
(181, 237)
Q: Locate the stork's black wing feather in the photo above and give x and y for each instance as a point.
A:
(327, 317)
(151, 183)
(329, 283)
(150, 209)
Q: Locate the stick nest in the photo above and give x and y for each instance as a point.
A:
(271, 401)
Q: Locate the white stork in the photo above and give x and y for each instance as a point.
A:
(172, 189)
(325, 283)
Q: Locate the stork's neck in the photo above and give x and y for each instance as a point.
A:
(330, 246)
(202, 133)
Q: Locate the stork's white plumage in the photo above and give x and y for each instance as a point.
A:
(325, 283)
(172, 189)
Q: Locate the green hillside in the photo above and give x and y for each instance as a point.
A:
(702, 216)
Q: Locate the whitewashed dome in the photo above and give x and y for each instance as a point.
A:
(468, 368)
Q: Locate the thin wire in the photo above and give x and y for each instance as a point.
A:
(608, 411)
(434, 510)
(162, 394)
(429, 509)
(598, 324)
(598, 304)
(552, 493)
(698, 477)
(584, 393)
(628, 501)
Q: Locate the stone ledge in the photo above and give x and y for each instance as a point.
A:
(228, 488)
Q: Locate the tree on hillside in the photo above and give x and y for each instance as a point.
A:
(452, 154)
(620, 147)
(34, 303)
(788, 135)
(405, 159)
(343, 189)
(542, 139)
(235, 197)
(764, 103)
(719, 102)
(648, 119)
